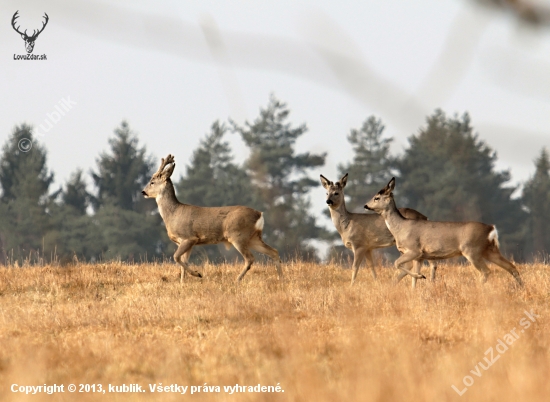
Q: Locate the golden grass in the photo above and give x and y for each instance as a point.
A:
(316, 336)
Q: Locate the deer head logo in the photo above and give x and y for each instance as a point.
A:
(29, 40)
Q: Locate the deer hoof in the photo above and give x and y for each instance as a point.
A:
(520, 282)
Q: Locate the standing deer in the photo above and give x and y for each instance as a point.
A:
(429, 240)
(190, 225)
(363, 233)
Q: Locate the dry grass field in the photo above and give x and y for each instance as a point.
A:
(314, 335)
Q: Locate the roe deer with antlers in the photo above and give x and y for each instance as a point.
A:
(363, 233)
(440, 240)
(190, 225)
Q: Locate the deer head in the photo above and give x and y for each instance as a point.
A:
(29, 40)
(383, 199)
(158, 181)
(335, 191)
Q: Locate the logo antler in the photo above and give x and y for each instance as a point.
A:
(29, 40)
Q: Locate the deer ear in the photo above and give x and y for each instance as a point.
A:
(390, 186)
(344, 180)
(166, 173)
(325, 182)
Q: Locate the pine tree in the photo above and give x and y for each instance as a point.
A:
(75, 194)
(212, 178)
(371, 167)
(536, 197)
(25, 181)
(24, 174)
(75, 234)
(279, 176)
(125, 219)
(122, 173)
(4, 227)
(129, 235)
(448, 173)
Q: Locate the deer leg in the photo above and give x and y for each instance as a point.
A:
(359, 255)
(258, 245)
(496, 258)
(433, 267)
(184, 250)
(477, 261)
(401, 275)
(248, 258)
(417, 265)
(370, 262)
(407, 257)
(185, 259)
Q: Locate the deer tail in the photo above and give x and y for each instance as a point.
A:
(493, 237)
(259, 226)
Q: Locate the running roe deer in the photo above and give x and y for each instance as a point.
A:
(440, 240)
(362, 233)
(190, 225)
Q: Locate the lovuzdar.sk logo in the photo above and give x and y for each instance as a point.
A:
(29, 39)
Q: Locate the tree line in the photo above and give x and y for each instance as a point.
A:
(447, 172)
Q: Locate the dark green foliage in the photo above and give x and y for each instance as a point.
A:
(213, 179)
(4, 231)
(536, 197)
(123, 172)
(75, 194)
(125, 219)
(448, 174)
(371, 166)
(24, 174)
(280, 180)
(25, 182)
(130, 235)
(76, 235)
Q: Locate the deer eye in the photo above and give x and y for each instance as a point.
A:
(152, 182)
(335, 193)
(376, 198)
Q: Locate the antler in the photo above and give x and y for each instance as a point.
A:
(34, 35)
(164, 162)
(15, 16)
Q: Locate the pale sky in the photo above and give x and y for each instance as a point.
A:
(170, 68)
